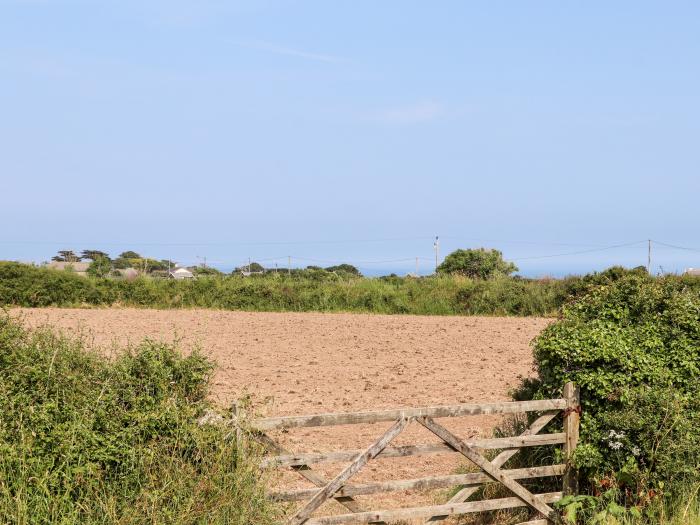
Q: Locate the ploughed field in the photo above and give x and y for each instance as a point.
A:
(306, 363)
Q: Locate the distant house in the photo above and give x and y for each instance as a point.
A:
(180, 273)
(79, 268)
(693, 271)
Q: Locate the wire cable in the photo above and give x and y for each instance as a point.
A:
(325, 261)
(684, 248)
(579, 252)
(535, 243)
(224, 243)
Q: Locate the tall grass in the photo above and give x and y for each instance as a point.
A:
(679, 508)
(88, 440)
(682, 510)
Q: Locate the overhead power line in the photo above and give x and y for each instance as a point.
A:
(341, 261)
(580, 252)
(684, 248)
(223, 243)
(233, 243)
(534, 243)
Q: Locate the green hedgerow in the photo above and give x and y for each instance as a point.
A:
(633, 347)
(88, 440)
(300, 291)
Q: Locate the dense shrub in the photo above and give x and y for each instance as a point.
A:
(86, 440)
(578, 286)
(477, 264)
(633, 346)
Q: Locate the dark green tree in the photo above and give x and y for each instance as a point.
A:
(345, 268)
(479, 263)
(152, 265)
(129, 255)
(66, 256)
(121, 263)
(206, 270)
(93, 255)
(252, 267)
(129, 259)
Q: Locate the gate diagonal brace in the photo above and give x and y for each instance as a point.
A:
(494, 472)
(335, 484)
(309, 474)
(500, 460)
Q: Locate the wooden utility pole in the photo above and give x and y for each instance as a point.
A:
(572, 417)
(649, 258)
(436, 245)
(289, 264)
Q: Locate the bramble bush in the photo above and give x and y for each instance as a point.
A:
(84, 439)
(632, 344)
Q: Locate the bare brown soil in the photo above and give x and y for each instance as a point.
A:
(309, 363)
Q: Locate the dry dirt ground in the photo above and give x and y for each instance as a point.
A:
(305, 363)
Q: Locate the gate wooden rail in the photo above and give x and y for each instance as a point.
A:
(490, 471)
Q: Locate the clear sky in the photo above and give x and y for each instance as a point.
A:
(351, 130)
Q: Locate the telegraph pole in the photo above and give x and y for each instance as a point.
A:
(436, 245)
(649, 258)
(289, 265)
(416, 266)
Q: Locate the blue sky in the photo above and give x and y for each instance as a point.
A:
(351, 130)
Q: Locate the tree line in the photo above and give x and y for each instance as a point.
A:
(480, 263)
(101, 264)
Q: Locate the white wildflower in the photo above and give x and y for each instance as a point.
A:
(615, 445)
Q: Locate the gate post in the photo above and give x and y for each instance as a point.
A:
(572, 416)
(239, 413)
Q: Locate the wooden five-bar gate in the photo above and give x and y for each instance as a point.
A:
(344, 493)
